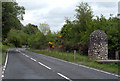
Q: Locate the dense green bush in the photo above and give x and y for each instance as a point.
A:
(37, 40)
(17, 38)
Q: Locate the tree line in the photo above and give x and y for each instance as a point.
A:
(74, 34)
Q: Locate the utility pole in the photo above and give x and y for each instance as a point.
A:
(118, 15)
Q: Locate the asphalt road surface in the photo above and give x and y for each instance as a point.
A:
(28, 65)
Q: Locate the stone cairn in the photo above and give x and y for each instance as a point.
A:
(98, 45)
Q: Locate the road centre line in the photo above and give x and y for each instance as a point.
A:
(48, 67)
(44, 65)
(32, 59)
(36, 61)
(64, 76)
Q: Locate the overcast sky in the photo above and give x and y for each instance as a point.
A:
(53, 12)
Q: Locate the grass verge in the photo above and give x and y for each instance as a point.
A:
(4, 53)
(111, 67)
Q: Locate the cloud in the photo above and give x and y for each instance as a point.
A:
(104, 8)
(54, 12)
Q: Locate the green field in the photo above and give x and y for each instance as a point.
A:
(111, 67)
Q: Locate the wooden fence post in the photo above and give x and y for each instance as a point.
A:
(117, 55)
(74, 55)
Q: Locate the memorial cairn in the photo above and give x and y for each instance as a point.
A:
(98, 45)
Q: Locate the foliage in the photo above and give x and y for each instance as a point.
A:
(76, 33)
(30, 29)
(17, 38)
(37, 40)
(44, 28)
(11, 16)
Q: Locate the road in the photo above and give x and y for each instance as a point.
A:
(28, 65)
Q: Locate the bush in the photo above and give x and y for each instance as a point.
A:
(37, 41)
(17, 38)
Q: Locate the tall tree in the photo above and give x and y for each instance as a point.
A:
(84, 15)
(11, 16)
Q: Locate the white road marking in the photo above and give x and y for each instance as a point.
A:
(31, 58)
(2, 76)
(26, 55)
(36, 61)
(64, 76)
(6, 61)
(4, 67)
(44, 65)
(73, 64)
(83, 66)
(96, 69)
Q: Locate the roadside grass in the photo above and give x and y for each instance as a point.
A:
(4, 53)
(81, 59)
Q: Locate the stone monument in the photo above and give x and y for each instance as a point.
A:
(98, 45)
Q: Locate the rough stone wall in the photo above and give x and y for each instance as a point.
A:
(98, 45)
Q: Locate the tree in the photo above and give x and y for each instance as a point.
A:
(76, 32)
(84, 15)
(44, 28)
(37, 40)
(17, 38)
(11, 16)
(30, 29)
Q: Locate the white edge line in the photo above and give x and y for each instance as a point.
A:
(4, 67)
(6, 60)
(2, 76)
(63, 76)
(96, 69)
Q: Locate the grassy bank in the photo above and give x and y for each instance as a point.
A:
(111, 67)
(4, 53)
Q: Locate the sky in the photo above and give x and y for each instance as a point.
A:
(53, 12)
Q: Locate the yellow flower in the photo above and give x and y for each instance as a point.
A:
(50, 43)
(52, 46)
